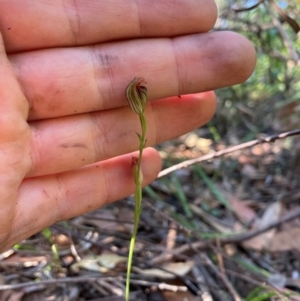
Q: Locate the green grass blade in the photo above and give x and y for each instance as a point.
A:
(212, 187)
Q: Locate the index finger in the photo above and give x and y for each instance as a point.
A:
(27, 24)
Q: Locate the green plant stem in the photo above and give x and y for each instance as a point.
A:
(138, 179)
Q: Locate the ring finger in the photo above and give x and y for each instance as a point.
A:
(66, 143)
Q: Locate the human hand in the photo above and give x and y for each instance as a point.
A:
(67, 132)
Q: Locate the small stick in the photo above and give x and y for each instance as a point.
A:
(226, 151)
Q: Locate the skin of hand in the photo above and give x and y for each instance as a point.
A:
(67, 132)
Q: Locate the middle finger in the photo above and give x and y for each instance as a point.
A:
(60, 82)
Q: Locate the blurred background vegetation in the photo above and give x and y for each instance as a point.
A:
(269, 102)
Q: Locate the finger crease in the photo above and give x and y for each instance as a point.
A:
(73, 18)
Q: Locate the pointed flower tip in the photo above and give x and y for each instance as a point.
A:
(136, 94)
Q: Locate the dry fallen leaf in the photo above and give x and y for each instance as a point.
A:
(286, 240)
(179, 296)
(262, 241)
(61, 240)
(28, 261)
(103, 219)
(241, 209)
(178, 268)
(11, 295)
(102, 263)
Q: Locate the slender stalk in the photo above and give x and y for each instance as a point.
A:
(136, 95)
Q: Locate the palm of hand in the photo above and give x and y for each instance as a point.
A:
(66, 131)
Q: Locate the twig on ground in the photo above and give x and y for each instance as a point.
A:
(245, 236)
(167, 254)
(222, 276)
(231, 239)
(226, 151)
(98, 287)
(257, 283)
(220, 258)
(53, 281)
(199, 278)
(41, 283)
(111, 288)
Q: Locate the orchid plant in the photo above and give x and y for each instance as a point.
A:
(136, 94)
